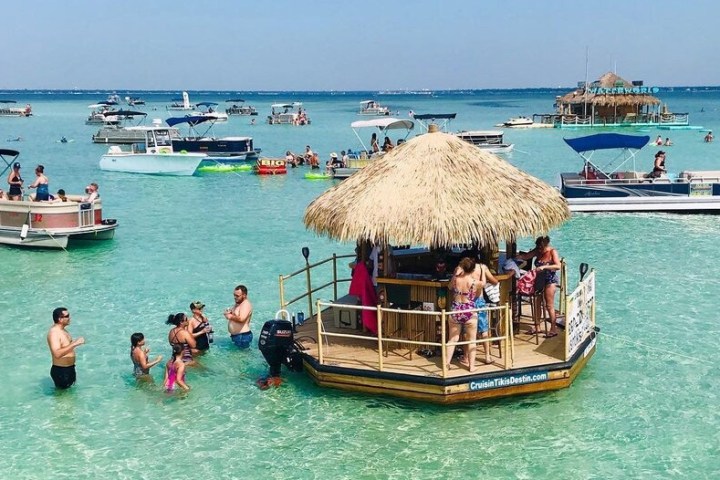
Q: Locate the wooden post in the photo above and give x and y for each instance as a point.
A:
(443, 339)
(508, 319)
(282, 293)
(319, 335)
(309, 287)
(380, 339)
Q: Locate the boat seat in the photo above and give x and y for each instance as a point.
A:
(114, 149)
(689, 174)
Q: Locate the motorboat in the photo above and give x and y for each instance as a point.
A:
(7, 111)
(363, 158)
(371, 107)
(134, 101)
(288, 114)
(606, 184)
(270, 166)
(238, 109)
(517, 122)
(488, 140)
(50, 224)
(181, 103)
(124, 134)
(98, 115)
(209, 109)
(155, 156)
(222, 149)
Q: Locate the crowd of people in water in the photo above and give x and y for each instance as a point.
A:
(189, 338)
(41, 185)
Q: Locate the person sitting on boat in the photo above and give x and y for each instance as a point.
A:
(659, 166)
(41, 183)
(387, 145)
(92, 193)
(2, 194)
(15, 181)
(374, 145)
(333, 163)
(709, 137)
(667, 143)
(60, 197)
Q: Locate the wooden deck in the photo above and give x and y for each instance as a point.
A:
(362, 354)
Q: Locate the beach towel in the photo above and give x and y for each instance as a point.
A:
(362, 287)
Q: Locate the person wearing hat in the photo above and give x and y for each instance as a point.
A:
(199, 326)
(333, 162)
(15, 181)
(659, 166)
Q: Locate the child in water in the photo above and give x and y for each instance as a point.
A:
(175, 370)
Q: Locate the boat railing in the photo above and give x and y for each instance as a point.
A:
(504, 333)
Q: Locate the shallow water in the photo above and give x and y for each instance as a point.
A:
(644, 407)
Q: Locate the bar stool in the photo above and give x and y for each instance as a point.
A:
(535, 301)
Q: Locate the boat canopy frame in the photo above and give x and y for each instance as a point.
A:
(383, 125)
(425, 119)
(628, 146)
(193, 121)
(6, 152)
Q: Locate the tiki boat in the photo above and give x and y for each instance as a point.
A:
(391, 340)
(51, 224)
(612, 102)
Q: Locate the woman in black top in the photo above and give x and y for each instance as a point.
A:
(15, 181)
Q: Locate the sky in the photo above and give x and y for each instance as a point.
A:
(241, 45)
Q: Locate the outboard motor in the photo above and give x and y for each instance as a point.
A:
(277, 345)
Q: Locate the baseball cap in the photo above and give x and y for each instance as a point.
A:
(16, 165)
(197, 304)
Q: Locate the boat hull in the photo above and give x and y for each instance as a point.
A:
(178, 164)
(227, 150)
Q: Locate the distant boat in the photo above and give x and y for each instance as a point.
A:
(236, 109)
(181, 103)
(14, 111)
(371, 107)
(288, 114)
(134, 101)
(223, 149)
(517, 122)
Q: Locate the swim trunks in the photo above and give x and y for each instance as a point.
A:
(63, 377)
(242, 340)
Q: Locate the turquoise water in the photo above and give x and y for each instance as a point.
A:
(644, 407)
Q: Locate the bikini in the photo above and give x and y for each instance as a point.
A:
(550, 276)
(137, 368)
(203, 342)
(15, 189)
(186, 351)
(463, 316)
(171, 377)
(43, 192)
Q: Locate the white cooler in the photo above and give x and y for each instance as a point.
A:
(346, 317)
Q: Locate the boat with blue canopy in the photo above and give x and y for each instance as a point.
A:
(610, 181)
(224, 149)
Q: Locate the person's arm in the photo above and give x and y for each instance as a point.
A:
(190, 339)
(166, 375)
(35, 183)
(489, 277)
(59, 351)
(526, 256)
(180, 379)
(141, 359)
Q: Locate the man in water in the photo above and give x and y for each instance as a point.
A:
(62, 349)
(238, 317)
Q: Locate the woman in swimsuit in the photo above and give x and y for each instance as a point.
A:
(547, 264)
(464, 288)
(139, 356)
(15, 181)
(175, 371)
(199, 327)
(41, 183)
(180, 336)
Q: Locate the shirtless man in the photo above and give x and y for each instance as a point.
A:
(62, 349)
(238, 317)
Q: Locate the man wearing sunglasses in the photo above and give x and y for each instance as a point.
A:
(62, 349)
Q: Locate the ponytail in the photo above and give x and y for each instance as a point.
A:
(176, 319)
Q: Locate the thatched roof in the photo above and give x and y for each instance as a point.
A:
(609, 80)
(437, 190)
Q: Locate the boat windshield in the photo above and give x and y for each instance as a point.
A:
(162, 138)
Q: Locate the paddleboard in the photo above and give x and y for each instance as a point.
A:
(318, 176)
(223, 167)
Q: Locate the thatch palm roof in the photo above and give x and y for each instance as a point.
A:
(609, 80)
(437, 190)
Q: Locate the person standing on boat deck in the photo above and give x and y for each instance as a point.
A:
(709, 137)
(92, 193)
(547, 264)
(15, 181)
(41, 183)
(659, 165)
(199, 326)
(62, 349)
(464, 288)
(139, 356)
(374, 146)
(238, 317)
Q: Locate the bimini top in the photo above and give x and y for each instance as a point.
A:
(286, 105)
(366, 102)
(8, 101)
(7, 151)
(191, 120)
(604, 141)
(123, 113)
(434, 116)
(384, 124)
(235, 100)
(206, 104)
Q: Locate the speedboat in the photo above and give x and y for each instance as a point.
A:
(155, 156)
(98, 115)
(50, 224)
(209, 109)
(7, 111)
(488, 140)
(134, 101)
(181, 103)
(222, 149)
(120, 132)
(608, 185)
(517, 122)
(383, 125)
(288, 114)
(238, 109)
(371, 107)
